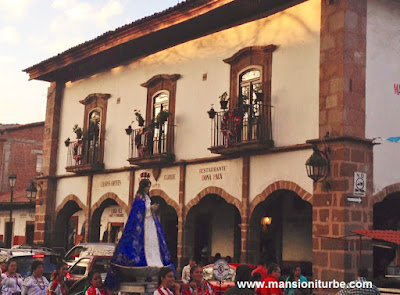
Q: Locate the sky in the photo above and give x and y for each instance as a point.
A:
(34, 30)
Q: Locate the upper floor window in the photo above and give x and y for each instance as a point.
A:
(251, 72)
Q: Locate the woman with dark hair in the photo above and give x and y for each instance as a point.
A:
(57, 285)
(36, 284)
(197, 286)
(11, 280)
(166, 283)
(295, 276)
(142, 243)
(96, 284)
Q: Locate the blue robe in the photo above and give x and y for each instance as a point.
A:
(130, 250)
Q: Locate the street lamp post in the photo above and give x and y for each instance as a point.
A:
(11, 178)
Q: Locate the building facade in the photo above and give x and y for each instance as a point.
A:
(20, 154)
(297, 74)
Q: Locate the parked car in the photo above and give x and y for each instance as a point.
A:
(81, 268)
(25, 256)
(229, 282)
(86, 249)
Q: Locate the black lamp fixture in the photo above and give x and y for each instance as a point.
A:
(67, 142)
(318, 164)
(31, 191)
(128, 130)
(211, 112)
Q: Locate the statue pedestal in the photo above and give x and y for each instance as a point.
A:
(138, 287)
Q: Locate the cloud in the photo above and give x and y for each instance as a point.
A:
(15, 9)
(9, 35)
(74, 11)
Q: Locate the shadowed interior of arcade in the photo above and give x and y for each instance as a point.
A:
(281, 231)
(386, 217)
(212, 226)
(65, 236)
(169, 222)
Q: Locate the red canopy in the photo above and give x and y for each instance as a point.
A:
(392, 236)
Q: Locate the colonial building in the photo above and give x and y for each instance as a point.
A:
(233, 181)
(21, 156)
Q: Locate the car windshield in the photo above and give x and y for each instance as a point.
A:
(24, 264)
(208, 274)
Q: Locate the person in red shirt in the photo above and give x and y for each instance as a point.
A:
(274, 272)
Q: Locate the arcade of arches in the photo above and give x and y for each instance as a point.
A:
(214, 225)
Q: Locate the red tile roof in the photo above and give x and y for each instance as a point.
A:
(19, 196)
(392, 236)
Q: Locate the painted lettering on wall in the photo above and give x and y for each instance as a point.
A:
(156, 185)
(169, 176)
(212, 173)
(396, 88)
(110, 183)
(116, 212)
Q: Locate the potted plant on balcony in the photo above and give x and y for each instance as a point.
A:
(78, 131)
(223, 100)
(139, 118)
(162, 116)
(211, 112)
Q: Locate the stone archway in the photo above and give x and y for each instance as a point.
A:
(106, 201)
(386, 216)
(212, 225)
(65, 236)
(288, 239)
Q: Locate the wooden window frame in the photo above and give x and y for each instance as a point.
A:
(244, 59)
(97, 101)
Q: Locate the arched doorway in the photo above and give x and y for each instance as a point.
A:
(107, 222)
(212, 226)
(169, 221)
(67, 225)
(386, 217)
(287, 240)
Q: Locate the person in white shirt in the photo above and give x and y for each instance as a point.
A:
(186, 270)
(11, 280)
(36, 284)
(166, 282)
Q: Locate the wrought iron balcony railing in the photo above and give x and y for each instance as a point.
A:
(84, 155)
(244, 128)
(151, 145)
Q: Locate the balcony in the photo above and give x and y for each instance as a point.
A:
(151, 146)
(84, 156)
(247, 128)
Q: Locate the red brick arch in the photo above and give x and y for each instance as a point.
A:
(110, 196)
(217, 191)
(168, 200)
(280, 185)
(393, 188)
(73, 198)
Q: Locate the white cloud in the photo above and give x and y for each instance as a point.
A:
(15, 9)
(9, 35)
(111, 9)
(74, 11)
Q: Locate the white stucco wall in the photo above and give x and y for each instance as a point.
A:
(382, 104)
(167, 181)
(289, 166)
(72, 186)
(223, 174)
(295, 85)
(20, 217)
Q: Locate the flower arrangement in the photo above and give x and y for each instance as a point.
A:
(162, 116)
(139, 117)
(78, 131)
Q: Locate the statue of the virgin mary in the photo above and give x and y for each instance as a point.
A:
(142, 244)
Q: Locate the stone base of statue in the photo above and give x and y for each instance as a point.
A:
(140, 280)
